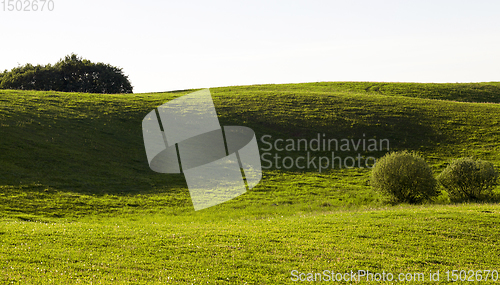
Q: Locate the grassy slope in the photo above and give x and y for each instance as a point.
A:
(76, 162)
(462, 92)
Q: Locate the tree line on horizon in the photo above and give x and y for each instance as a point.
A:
(70, 74)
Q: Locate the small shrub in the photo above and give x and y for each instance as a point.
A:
(405, 176)
(469, 179)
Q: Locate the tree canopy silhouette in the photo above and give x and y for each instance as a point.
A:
(71, 74)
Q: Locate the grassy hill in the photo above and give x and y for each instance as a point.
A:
(75, 163)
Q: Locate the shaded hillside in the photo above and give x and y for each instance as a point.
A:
(93, 143)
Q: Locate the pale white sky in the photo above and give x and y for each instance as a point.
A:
(171, 45)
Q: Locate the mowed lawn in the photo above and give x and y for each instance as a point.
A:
(79, 204)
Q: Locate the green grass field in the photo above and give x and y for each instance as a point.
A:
(79, 204)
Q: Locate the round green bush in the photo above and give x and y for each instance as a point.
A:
(469, 179)
(405, 177)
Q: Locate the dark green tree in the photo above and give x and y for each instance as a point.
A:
(71, 74)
